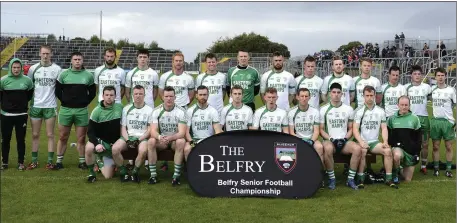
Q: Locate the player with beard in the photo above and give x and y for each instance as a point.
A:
(269, 117)
(110, 74)
(215, 81)
(311, 82)
(338, 76)
(203, 121)
(279, 79)
(365, 79)
(236, 115)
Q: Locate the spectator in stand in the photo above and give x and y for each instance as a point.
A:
(397, 40)
(402, 40)
(26, 68)
(442, 48)
(426, 50)
(384, 52)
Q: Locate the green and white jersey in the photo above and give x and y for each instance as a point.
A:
(284, 83)
(148, 78)
(418, 98)
(137, 120)
(347, 83)
(236, 118)
(104, 76)
(201, 120)
(390, 97)
(44, 79)
(336, 119)
(247, 78)
(182, 84)
(267, 120)
(168, 121)
(360, 83)
(304, 121)
(444, 100)
(216, 84)
(314, 85)
(370, 122)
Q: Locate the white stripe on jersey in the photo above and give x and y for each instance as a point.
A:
(147, 78)
(390, 95)
(418, 98)
(336, 119)
(303, 121)
(167, 121)
(236, 118)
(182, 84)
(267, 120)
(104, 76)
(216, 84)
(372, 119)
(201, 121)
(283, 82)
(44, 80)
(314, 85)
(137, 120)
(346, 82)
(360, 83)
(444, 100)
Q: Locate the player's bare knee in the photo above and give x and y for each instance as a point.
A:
(152, 142)
(387, 153)
(89, 147)
(35, 135)
(180, 143)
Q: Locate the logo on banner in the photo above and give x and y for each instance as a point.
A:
(286, 156)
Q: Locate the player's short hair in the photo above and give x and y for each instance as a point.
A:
(46, 46)
(271, 90)
(416, 68)
(310, 59)
(278, 54)
(178, 53)
(142, 51)
(394, 68)
(403, 96)
(109, 88)
(210, 56)
(441, 70)
(169, 88)
(237, 87)
(244, 51)
(336, 58)
(139, 87)
(336, 85)
(110, 50)
(202, 87)
(368, 88)
(76, 53)
(303, 89)
(366, 59)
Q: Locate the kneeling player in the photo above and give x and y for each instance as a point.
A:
(405, 138)
(270, 117)
(136, 119)
(369, 119)
(104, 130)
(336, 128)
(203, 121)
(168, 130)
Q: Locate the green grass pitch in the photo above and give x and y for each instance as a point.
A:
(64, 196)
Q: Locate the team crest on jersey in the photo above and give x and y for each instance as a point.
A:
(284, 78)
(144, 116)
(286, 156)
(45, 73)
(310, 117)
(202, 117)
(337, 115)
(278, 79)
(169, 119)
(142, 77)
(271, 119)
(416, 91)
(177, 82)
(212, 81)
(218, 81)
(137, 115)
(345, 83)
(237, 116)
(109, 76)
(344, 114)
(184, 82)
(310, 84)
(244, 116)
(278, 118)
(423, 91)
(394, 93)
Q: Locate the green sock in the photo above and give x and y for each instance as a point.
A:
(388, 176)
(351, 174)
(123, 170)
(448, 165)
(34, 157)
(91, 169)
(436, 165)
(82, 159)
(50, 157)
(395, 172)
(177, 173)
(152, 170)
(136, 170)
(331, 174)
(361, 177)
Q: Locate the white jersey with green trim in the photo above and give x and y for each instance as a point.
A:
(104, 76)
(336, 119)
(200, 121)
(267, 120)
(314, 85)
(418, 98)
(44, 81)
(283, 82)
(360, 83)
(216, 84)
(303, 121)
(390, 95)
(346, 82)
(236, 118)
(370, 122)
(444, 100)
(167, 121)
(148, 78)
(137, 120)
(182, 84)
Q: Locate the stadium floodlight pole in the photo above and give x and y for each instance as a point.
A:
(101, 22)
(439, 46)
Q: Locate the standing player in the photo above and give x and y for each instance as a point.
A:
(75, 89)
(245, 76)
(168, 131)
(311, 82)
(346, 82)
(391, 91)
(365, 79)
(281, 80)
(44, 104)
(442, 125)
(181, 81)
(236, 115)
(202, 121)
(16, 90)
(136, 119)
(336, 128)
(369, 120)
(214, 81)
(418, 93)
(104, 130)
(144, 76)
(111, 74)
(269, 117)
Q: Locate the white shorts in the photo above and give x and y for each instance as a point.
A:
(108, 161)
